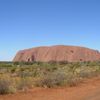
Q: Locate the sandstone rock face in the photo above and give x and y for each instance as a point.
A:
(57, 53)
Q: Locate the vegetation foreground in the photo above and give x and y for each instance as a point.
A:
(23, 76)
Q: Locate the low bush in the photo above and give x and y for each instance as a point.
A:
(6, 86)
(51, 80)
(24, 84)
(72, 80)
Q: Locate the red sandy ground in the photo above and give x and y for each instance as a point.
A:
(88, 90)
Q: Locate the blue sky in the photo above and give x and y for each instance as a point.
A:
(31, 23)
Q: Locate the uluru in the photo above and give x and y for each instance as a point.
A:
(57, 53)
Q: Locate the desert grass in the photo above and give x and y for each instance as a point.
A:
(23, 76)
